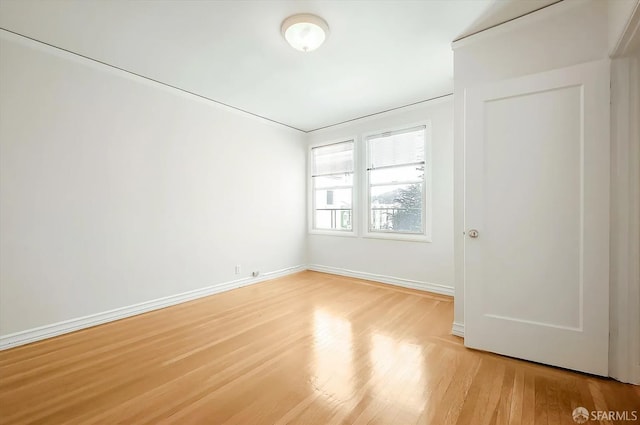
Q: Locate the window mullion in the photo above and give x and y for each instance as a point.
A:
(385, 167)
(396, 183)
(340, 173)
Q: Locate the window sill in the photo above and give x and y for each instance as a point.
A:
(332, 233)
(398, 237)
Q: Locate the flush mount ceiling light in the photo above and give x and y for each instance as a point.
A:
(305, 32)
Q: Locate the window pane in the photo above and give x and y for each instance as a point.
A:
(396, 149)
(333, 198)
(331, 219)
(333, 209)
(396, 208)
(403, 174)
(333, 181)
(336, 158)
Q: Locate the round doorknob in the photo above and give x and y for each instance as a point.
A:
(473, 233)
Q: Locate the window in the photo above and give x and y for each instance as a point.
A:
(332, 168)
(382, 178)
(396, 182)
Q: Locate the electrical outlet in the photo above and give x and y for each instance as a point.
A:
(238, 269)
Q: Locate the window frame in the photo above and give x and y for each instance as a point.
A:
(425, 235)
(311, 201)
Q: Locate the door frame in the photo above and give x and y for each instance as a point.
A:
(624, 339)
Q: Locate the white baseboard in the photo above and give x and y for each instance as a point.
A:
(406, 283)
(458, 329)
(55, 329)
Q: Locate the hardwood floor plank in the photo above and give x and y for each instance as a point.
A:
(306, 349)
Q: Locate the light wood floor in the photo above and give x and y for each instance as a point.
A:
(310, 348)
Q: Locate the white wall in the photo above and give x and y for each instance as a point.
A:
(115, 190)
(414, 263)
(618, 14)
(558, 36)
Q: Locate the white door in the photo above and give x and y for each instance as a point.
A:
(537, 193)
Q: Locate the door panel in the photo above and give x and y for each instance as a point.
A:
(537, 176)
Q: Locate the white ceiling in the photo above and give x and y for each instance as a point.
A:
(379, 54)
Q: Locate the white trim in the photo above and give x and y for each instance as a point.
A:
(625, 277)
(530, 18)
(55, 329)
(436, 288)
(339, 233)
(406, 237)
(624, 336)
(458, 329)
